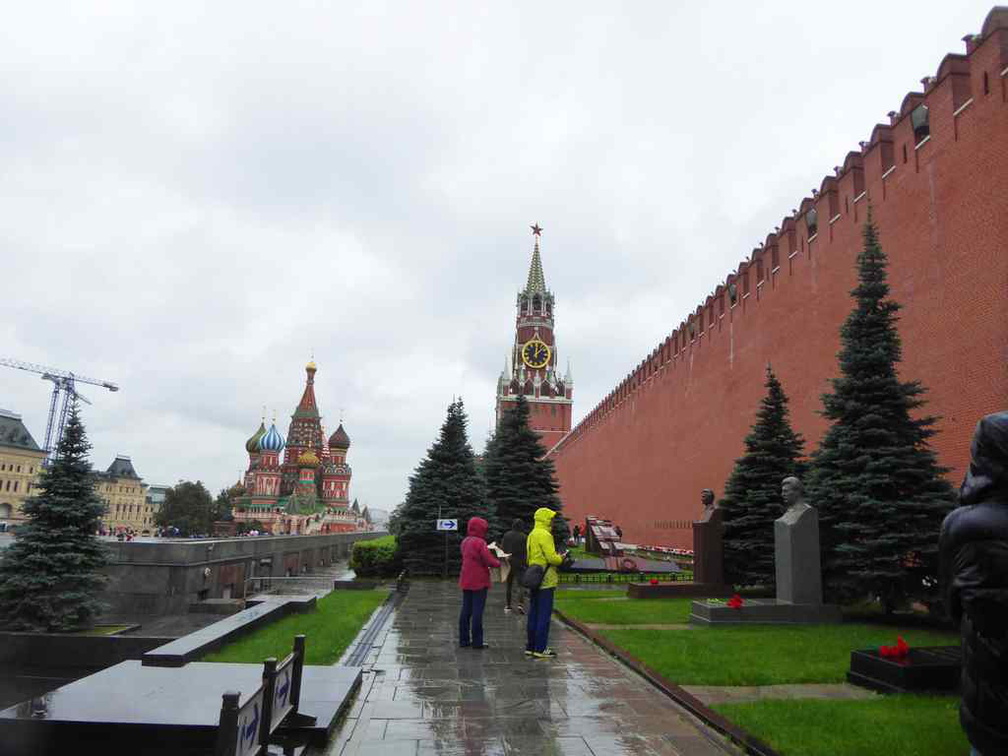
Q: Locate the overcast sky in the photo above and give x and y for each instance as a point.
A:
(194, 198)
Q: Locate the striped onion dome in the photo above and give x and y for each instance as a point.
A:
(272, 441)
(252, 445)
(339, 439)
(308, 459)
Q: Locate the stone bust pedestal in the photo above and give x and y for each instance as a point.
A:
(796, 555)
(798, 572)
(708, 549)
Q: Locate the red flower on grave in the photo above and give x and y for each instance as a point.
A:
(735, 602)
(898, 652)
(654, 581)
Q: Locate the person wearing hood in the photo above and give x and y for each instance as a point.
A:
(539, 549)
(973, 549)
(474, 580)
(513, 543)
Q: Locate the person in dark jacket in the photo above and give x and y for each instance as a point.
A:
(974, 566)
(474, 580)
(513, 543)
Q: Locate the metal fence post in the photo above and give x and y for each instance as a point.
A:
(299, 658)
(269, 688)
(227, 727)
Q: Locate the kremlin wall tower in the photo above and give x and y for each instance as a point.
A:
(309, 491)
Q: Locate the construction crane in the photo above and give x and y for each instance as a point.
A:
(63, 395)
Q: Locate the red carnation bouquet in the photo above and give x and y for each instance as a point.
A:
(897, 652)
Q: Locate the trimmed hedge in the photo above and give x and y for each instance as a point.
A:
(376, 557)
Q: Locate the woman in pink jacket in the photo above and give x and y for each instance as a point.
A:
(474, 582)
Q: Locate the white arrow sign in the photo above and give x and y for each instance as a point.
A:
(447, 524)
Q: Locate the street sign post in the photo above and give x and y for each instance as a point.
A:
(447, 525)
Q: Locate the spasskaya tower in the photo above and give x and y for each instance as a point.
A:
(531, 368)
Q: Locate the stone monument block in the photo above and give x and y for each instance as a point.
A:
(798, 571)
(708, 549)
(796, 560)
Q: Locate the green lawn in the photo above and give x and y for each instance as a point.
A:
(568, 592)
(891, 725)
(761, 654)
(329, 628)
(578, 552)
(626, 612)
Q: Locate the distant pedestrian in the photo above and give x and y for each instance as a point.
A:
(577, 535)
(474, 581)
(540, 550)
(974, 567)
(513, 543)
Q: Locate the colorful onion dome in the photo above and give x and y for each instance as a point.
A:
(308, 459)
(339, 439)
(311, 367)
(252, 445)
(272, 441)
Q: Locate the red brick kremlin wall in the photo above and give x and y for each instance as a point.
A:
(677, 422)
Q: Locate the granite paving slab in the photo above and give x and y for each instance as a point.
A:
(421, 694)
(169, 709)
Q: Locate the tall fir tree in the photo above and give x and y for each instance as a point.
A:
(447, 485)
(876, 481)
(50, 577)
(752, 498)
(519, 477)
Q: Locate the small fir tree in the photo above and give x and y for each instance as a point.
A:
(876, 481)
(447, 485)
(519, 477)
(752, 499)
(50, 577)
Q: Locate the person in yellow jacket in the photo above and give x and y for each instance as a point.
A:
(539, 549)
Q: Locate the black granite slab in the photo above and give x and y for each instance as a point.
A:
(927, 668)
(766, 611)
(131, 708)
(195, 645)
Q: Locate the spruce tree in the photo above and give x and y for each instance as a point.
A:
(752, 498)
(519, 477)
(50, 577)
(877, 484)
(445, 484)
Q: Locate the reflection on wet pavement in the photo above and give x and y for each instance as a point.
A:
(424, 695)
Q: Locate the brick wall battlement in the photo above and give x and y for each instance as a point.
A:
(676, 423)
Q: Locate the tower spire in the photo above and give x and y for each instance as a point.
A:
(536, 280)
(308, 407)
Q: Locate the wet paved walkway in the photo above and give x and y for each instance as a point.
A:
(424, 695)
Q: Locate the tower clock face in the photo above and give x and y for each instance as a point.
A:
(535, 354)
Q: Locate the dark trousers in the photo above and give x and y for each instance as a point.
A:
(514, 578)
(539, 613)
(472, 614)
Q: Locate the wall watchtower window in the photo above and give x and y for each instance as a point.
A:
(812, 222)
(919, 121)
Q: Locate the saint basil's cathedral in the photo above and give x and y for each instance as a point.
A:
(308, 492)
